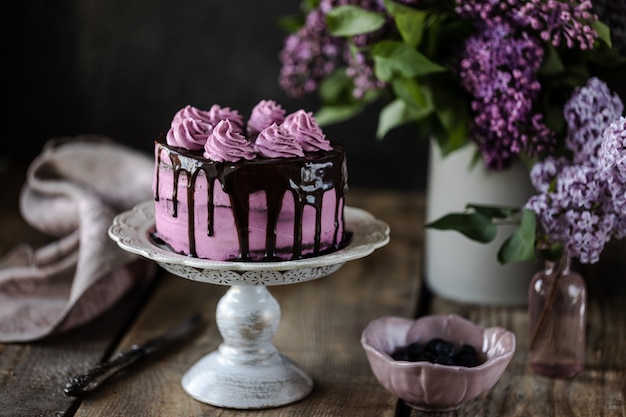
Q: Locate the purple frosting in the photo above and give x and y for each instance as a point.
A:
(225, 143)
(192, 112)
(307, 132)
(217, 114)
(188, 133)
(276, 142)
(191, 126)
(263, 115)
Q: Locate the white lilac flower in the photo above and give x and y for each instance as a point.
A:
(545, 171)
(612, 162)
(582, 204)
(588, 113)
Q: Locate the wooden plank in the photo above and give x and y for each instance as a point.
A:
(320, 329)
(33, 375)
(600, 390)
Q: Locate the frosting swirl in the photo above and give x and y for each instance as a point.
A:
(225, 143)
(307, 132)
(192, 112)
(188, 133)
(276, 142)
(217, 114)
(263, 115)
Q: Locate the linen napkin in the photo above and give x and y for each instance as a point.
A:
(73, 191)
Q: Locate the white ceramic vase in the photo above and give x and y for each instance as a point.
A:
(456, 267)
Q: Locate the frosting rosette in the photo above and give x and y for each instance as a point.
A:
(307, 132)
(190, 111)
(226, 143)
(217, 114)
(188, 133)
(264, 114)
(276, 142)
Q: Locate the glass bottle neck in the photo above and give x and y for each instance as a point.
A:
(559, 267)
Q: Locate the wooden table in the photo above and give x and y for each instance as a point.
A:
(320, 329)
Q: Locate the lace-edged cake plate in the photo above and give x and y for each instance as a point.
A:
(247, 361)
(133, 229)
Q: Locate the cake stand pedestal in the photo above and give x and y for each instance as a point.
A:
(246, 371)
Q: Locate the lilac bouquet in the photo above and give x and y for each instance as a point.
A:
(495, 73)
(581, 200)
(521, 79)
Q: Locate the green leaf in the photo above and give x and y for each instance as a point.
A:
(394, 114)
(553, 116)
(409, 21)
(456, 134)
(352, 20)
(330, 114)
(603, 31)
(338, 102)
(473, 225)
(337, 87)
(453, 113)
(393, 59)
(307, 6)
(409, 90)
(552, 63)
(494, 212)
(290, 24)
(520, 246)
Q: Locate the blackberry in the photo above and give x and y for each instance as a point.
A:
(415, 349)
(466, 356)
(438, 351)
(427, 356)
(444, 360)
(401, 354)
(441, 347)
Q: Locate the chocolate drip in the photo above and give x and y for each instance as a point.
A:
(211, 206)
(307, 179)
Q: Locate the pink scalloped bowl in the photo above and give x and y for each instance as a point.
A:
(433, 387)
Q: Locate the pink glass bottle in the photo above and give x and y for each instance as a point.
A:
(557, 305)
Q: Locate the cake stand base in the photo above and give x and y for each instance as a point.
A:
(276, 382)
(247, 371)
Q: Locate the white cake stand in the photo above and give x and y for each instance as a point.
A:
(247, 371)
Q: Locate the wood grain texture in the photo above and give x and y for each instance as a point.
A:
(600, 390)
(33, 375)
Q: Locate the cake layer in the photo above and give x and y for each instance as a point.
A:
(260, 209)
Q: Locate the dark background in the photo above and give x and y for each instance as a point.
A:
(122, 68)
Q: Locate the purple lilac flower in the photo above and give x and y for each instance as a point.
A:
(311, 54)
(579, 187)
(555, 21)
(308, 56)
(544, 172)
(612, 162)
(566, 21)
(362, 74)
(589, 233)
(588, 113)
(498, 68)
(575, 213)
(582, 203)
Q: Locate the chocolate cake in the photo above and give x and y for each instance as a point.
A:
(275, 192)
